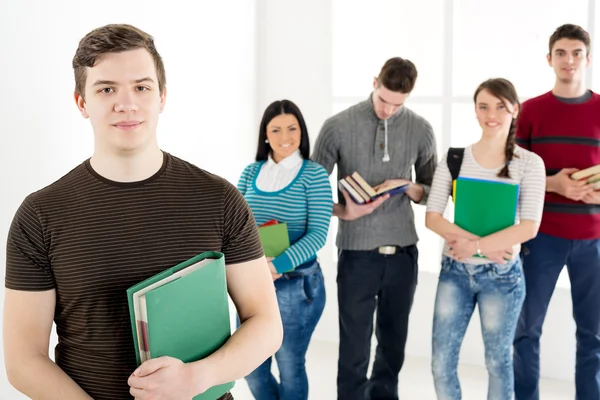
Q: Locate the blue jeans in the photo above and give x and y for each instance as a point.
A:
(498, 290)
(301, 298)
(543, 259)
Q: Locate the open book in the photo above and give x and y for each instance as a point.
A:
(183, 312)
(591, 175)
(362, 193)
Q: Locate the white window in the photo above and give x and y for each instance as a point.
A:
(508, 39)
(366, 33)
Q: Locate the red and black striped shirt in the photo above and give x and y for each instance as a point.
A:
(565, 135)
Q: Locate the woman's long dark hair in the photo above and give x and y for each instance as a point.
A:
(274, 109)
(504, 90)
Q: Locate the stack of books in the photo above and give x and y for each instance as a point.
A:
(591, 175)
(362, 193)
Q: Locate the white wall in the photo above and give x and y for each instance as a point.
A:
(209, 50)
(294, 61)
(225, 62)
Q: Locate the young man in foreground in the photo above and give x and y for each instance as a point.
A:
(125, 214)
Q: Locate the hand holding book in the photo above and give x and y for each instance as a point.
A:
(589, 181)
(363, 193)
(179, 317)
(592, 197)
(570, 183)
(473, 200)
(166, 377)
(392, 184)
(590, 175)
(274, 237)
(354, 211)
(461, 248)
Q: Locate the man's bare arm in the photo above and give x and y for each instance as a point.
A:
(27, 326)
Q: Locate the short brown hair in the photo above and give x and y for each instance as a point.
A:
(113, 38)
(398, 75)
(570, 31)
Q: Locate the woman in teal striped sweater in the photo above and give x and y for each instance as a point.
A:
(284, 185)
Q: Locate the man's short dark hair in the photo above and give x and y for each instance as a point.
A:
(570, 31)
(398, 75)
(113, 38)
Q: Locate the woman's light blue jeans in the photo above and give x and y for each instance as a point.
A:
(499, 291)
(301, 298)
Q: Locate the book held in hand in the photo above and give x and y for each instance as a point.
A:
(274, 238)
(591, 175)
(483, 207)
(183, 312)
(362, 193)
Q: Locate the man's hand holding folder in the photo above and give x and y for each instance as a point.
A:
(167, 378)
(179, 317)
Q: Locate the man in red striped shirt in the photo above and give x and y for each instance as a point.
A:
(563, 127)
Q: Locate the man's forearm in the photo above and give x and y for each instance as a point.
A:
(416, 192)
(39, 378)
(258, 338)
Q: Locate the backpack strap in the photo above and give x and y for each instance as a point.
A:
(454, 160)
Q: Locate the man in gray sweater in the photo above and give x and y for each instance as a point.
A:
(378, 259)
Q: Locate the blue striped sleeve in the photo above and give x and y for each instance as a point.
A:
(246, 178)
(320, 207)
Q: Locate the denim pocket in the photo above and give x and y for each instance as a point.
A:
(446, 264)
(310, 285)
(506, 273)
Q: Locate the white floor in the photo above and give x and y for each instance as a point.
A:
(415, 379)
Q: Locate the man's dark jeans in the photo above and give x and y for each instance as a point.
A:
(368, 280)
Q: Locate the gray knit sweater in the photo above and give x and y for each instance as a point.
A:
(354, 139)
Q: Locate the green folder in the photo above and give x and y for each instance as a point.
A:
(484, 207)
(274, 238)
(183, 312)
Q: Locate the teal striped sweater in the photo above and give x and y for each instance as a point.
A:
(305, 205)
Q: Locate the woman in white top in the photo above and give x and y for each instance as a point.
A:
(486, 271)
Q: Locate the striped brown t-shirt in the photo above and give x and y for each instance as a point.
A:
(90, 239)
